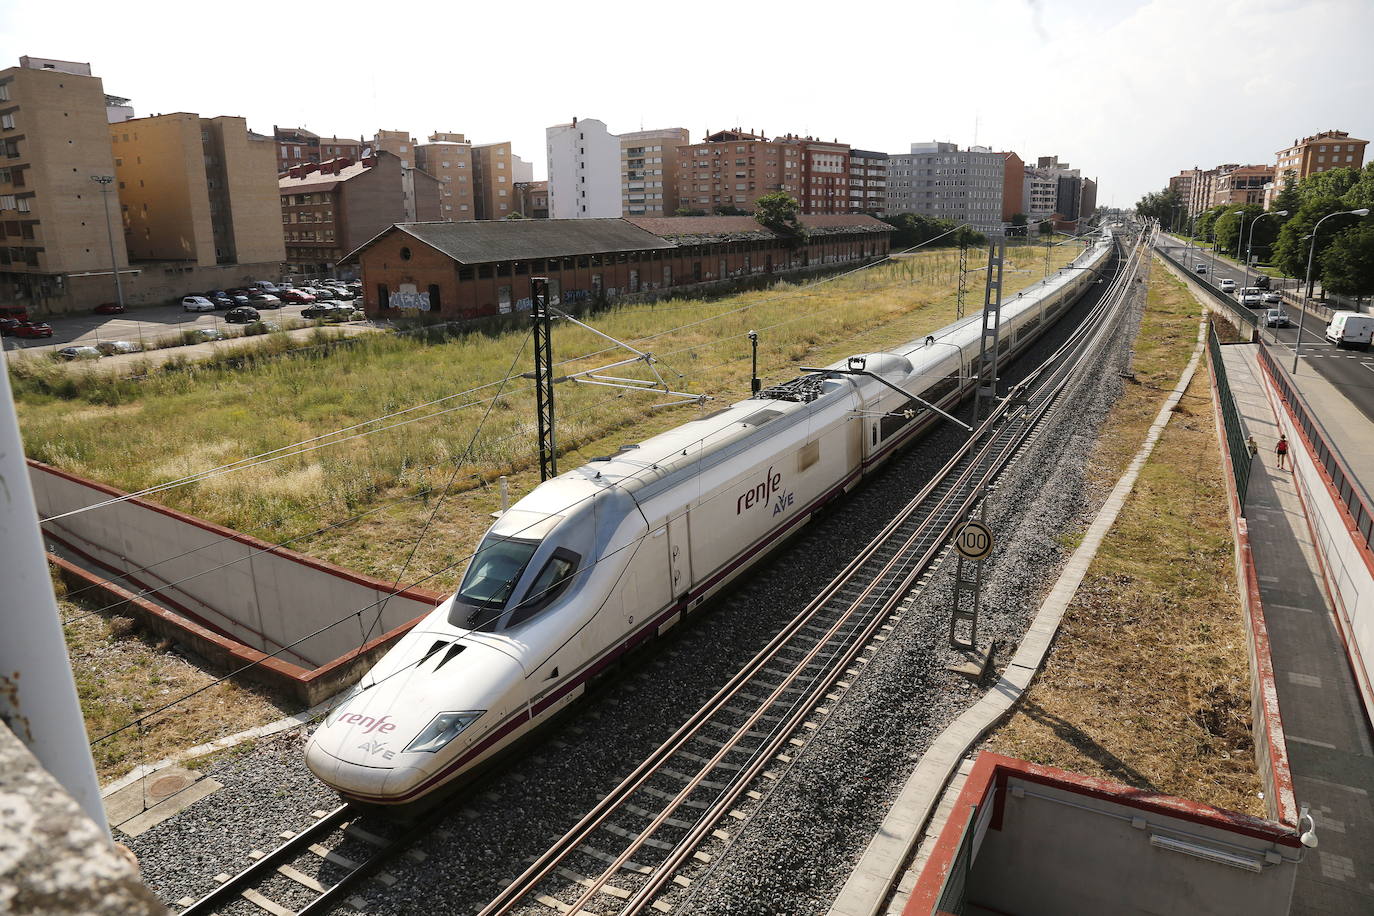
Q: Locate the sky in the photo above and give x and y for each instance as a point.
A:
(1131, 91)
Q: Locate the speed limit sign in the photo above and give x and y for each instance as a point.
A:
(974, 541)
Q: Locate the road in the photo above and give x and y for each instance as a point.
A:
(1351, 371)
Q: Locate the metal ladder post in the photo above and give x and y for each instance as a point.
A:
(543, 377)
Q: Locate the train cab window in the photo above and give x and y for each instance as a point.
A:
(490, 579)
(551, 582)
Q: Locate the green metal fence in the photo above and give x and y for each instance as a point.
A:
(1235, 432)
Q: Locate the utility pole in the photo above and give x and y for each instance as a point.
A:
(963, 280)
(37, 692)
(543, 377)
(105, 181)
(973, 542)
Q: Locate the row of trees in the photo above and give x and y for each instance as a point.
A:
(1343, 259)
(912, 229)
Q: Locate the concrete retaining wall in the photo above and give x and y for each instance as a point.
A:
(213, 581)
(1034, 840)
(1343, 553)
(1266, 724)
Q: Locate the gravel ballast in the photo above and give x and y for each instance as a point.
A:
(795, 852)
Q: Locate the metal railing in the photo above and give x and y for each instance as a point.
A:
(1343, 480)
(1235, 429)
(1246, 315)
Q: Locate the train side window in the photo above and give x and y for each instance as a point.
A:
(551, 582)
(810, 453)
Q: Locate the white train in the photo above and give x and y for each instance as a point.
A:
(602, 558)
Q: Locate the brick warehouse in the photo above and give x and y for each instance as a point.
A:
(471, 269)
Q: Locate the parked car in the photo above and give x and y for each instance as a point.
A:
(1228, 285)
(220, 298)
(295, 295)
(7, 326)
(264, 301)
(241, 315)
(264, 286)
(1276, 318)
(345, 292)
(1262, 281)
(78, 353)
(1272, 298)
(197, 304)
(1199, 268)
(32, 329)
(323, 293)
(1251, 297)
(14, 312)
(260, 327)
(109, 308)
(204, 334)
(323, 310)
(117, 347)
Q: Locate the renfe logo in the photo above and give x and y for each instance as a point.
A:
(763, 493)
(369, 724)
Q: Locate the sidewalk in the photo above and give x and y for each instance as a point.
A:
(1328, 735)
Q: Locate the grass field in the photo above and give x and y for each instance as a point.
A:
(134, 434)
(1148, 680)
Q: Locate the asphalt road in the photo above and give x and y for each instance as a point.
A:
(1352, 371)
(141, 323)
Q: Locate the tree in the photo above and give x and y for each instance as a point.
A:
(1233, 225)
(1165, 206)
(964, 236)
(1287, 199)
(1017, 229)
(1047, 227)
(780, 212)
(731, 210)
(1204, 226)
(912, 229)
(689, 211)
(1347, 264)
(1290, 253)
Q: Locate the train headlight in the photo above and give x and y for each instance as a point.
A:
(442, 729)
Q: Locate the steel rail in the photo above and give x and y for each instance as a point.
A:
(1051, 378)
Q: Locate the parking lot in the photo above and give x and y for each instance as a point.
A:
(140, 323)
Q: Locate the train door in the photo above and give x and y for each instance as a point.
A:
(679, 556)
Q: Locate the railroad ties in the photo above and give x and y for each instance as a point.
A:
(640, 847)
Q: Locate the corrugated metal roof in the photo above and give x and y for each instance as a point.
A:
(483, 241)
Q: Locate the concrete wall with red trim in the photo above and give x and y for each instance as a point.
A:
(1037, 840)
(1346, 561)
(262, 596)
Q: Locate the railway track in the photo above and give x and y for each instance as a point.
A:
(629, 854)
(314, 870)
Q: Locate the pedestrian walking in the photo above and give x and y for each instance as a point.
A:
(1282, 451)
(1252, 446)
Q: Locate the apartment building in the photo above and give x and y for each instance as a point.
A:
(493, 170)
(867, 182)
(1243, 184)
(520, 170)
(734, 168)
(1088, 199)
(54, 137)
(532, 199)
(1182, 183)
(584, 170)
(940, 180)
(329, 208)
(648, 171)
(448, 157)
(1013, 186)
(1321, 152)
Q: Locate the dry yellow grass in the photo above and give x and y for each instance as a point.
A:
(1148, 680)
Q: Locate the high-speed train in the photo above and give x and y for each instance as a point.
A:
(602, 558)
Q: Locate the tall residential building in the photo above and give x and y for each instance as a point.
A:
(648, 171)
(824, 174)
(584, 170)
(867, 182)
(197, 189)
(1089, 198)
(54, 136)
(1243, 184)
(448, 157)
(328, 209)
(1321, 152)
(494, 184)
(734, 168)
(940, 180)
(1013, 186)
(1182, 183)
(521, 171)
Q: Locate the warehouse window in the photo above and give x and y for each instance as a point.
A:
(383, 297)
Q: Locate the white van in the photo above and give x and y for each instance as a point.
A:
(1350, 329)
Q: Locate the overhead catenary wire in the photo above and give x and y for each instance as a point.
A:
(137, 722)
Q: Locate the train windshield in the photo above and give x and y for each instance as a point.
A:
(491, 578)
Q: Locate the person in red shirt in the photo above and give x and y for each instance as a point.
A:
(1282, 451)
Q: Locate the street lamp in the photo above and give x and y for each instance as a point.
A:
(105, 181)
(1307, 292)
(1250, 242)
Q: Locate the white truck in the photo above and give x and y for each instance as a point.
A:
(1350, 329)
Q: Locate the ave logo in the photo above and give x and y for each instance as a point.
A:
(377, 747)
